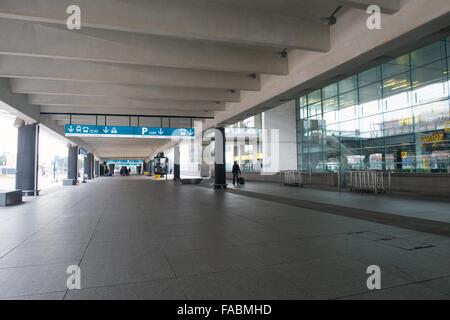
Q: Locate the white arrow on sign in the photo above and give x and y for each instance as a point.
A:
(105, 130)
(161, 131)
(71, 129)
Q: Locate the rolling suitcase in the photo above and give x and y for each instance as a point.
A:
(241, 181)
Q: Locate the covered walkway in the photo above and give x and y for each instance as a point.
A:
(135, 238)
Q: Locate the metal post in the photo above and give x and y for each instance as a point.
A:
(339, 180)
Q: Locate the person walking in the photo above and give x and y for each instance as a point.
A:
(236, 172)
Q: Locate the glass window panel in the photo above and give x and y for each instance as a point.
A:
(303, 101)
(398, 122)
(397, 101)
(348, 113)
(397, 84)
(330, 91)
(432, 117)
(330, 104)
(348, 99)
(315, 111)
(430, 73)
(373, 158)
(448, 46)
(369, 76)
(401, 157)
(428, 54)
(353, 160)
(370, 93)
(370, 108)
(396, 66)
(303, 113)
(348, 106)
(314, 97)
(348, 84)
(372, 127)
(430, 92)
(330, 118)
(432, 151)
(350, 128)
(332, 129)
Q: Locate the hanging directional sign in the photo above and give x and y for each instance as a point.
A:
(78, 130)
(125, 162)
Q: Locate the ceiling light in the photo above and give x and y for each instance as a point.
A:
(283, 54)
(332, 20)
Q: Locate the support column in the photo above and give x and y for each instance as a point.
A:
(27, 159)
(97, 169)
(92, 173)
(219, 165)
(112, 167)
(176, 163)
(88, 165)
(72, 172)
(146, 167)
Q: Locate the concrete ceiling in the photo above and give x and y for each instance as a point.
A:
(185, 58)
(126, 148)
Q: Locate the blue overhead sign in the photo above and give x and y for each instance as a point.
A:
(77, 130)
(125, 162)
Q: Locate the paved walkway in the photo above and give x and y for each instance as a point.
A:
(410, 206)
(135, 238)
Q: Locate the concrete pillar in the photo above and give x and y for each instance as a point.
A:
(112, 167)
(72, 172)
(219, 165)
(146, 167)
(88, 166)
(176, 163)
(27, 159)
(97, 169)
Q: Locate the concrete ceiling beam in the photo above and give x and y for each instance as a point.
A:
(194, 20)
(112, 102)
(54, 87)
(88, 44)
(61, 69)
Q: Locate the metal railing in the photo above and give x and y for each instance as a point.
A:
(292, 178)
(370, 181)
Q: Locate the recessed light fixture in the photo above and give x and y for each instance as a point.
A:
(332, 20)
(252, 75)
(283, 54)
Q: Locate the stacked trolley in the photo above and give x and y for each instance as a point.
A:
(292, 178)
(369, 181)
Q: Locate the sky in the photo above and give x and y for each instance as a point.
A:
(8, 134)
(49, 144)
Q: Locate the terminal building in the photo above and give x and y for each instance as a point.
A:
(224, 149)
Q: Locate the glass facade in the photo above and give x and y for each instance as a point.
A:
(395, 116)
(244, 145)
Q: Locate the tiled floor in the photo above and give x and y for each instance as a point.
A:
(432, 209)
(135, 238)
